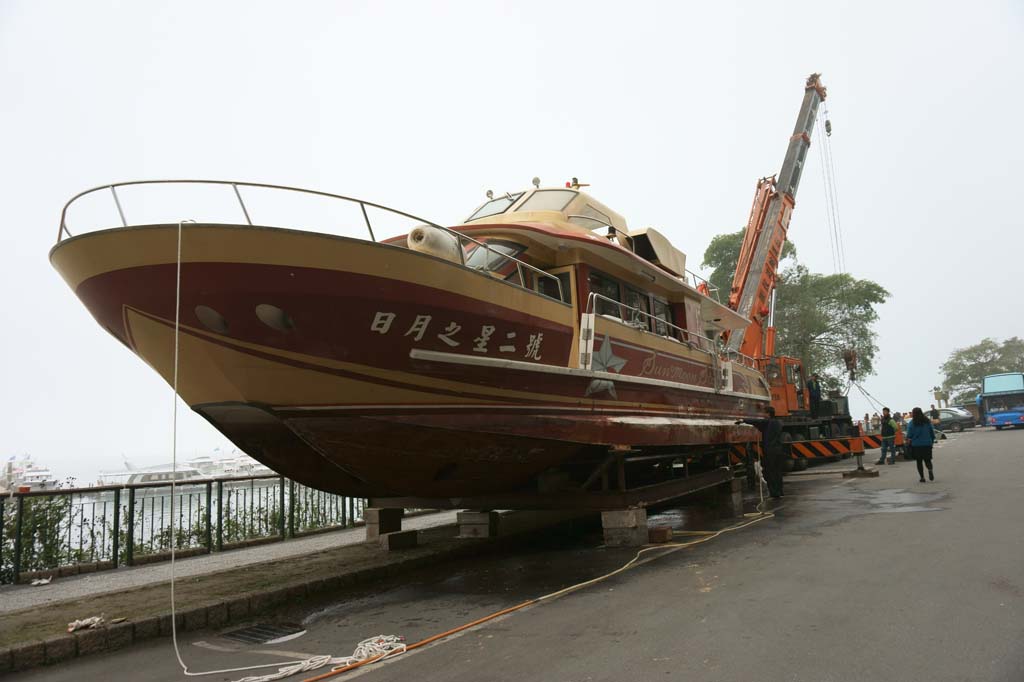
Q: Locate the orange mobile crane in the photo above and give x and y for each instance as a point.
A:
(753, 295)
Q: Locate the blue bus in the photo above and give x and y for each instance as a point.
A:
(1002, 400)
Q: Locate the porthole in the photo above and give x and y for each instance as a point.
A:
(211, 319)
(274, 317)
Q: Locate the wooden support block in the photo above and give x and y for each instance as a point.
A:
(402, 539)
(478, 524)
(660, 534)
(382, 520)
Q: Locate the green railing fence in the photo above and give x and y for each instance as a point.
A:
(71, 530)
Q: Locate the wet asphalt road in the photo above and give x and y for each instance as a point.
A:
(874, 579)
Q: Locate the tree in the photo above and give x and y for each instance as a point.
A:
(817, 316)
(722, 254)
(966, 367)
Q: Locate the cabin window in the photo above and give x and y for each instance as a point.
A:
(494, 257)
(548, 200)
(639, 309)
(609, 288)
(662, 317)
(587, 223)
(548, 287)
(590, 218)
(495, 206)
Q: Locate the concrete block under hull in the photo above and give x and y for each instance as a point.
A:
(625, 528)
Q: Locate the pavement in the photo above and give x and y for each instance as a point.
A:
(859, 579)
(18, 597)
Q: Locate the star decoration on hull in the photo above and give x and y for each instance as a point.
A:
(605, 360)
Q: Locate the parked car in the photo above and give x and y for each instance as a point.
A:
(954, 419)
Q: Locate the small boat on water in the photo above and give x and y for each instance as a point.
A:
(198, 468)
(507, 353)
(23, 472)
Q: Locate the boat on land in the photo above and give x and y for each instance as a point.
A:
(509, 353)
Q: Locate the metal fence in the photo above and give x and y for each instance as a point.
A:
(73, 530)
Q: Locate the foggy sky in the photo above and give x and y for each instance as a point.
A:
(670, 110)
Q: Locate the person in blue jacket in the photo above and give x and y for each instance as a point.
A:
(921, 436)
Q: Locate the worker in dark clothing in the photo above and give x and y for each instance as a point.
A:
(814, 394)
(888, 429)
(773, 454)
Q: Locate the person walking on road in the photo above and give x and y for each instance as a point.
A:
(888, 428)
(814, 394)
(901, 428)
(921, 437)
(773, 454)
(933, 413)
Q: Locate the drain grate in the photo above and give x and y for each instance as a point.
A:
(265, 633)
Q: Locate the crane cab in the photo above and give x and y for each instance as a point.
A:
(786, 381)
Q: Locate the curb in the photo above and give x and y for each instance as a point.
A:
(62, 648)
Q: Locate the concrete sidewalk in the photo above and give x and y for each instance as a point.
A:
(20, 597)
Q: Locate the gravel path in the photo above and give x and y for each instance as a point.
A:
(17, 597)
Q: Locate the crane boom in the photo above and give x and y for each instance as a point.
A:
(765, 234)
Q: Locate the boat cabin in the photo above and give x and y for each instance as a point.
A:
(635, 277)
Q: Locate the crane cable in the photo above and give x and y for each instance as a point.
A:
(828, 210)
(831, 185)
(835, 186)
(874, 402)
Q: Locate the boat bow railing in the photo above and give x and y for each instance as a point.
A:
(236, 187)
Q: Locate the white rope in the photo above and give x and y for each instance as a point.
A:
(289, 670)
(379, 647)
(292, 666)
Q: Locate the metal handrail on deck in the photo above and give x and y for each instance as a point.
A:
(594, 296)
(698, 280)
(714, 349)
(683, 339)
(235, 184)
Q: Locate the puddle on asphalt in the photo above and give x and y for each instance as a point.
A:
(684, 518)
(886, 501)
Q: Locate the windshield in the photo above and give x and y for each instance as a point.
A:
(999, 383)
(495, 206)
(548, 200)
